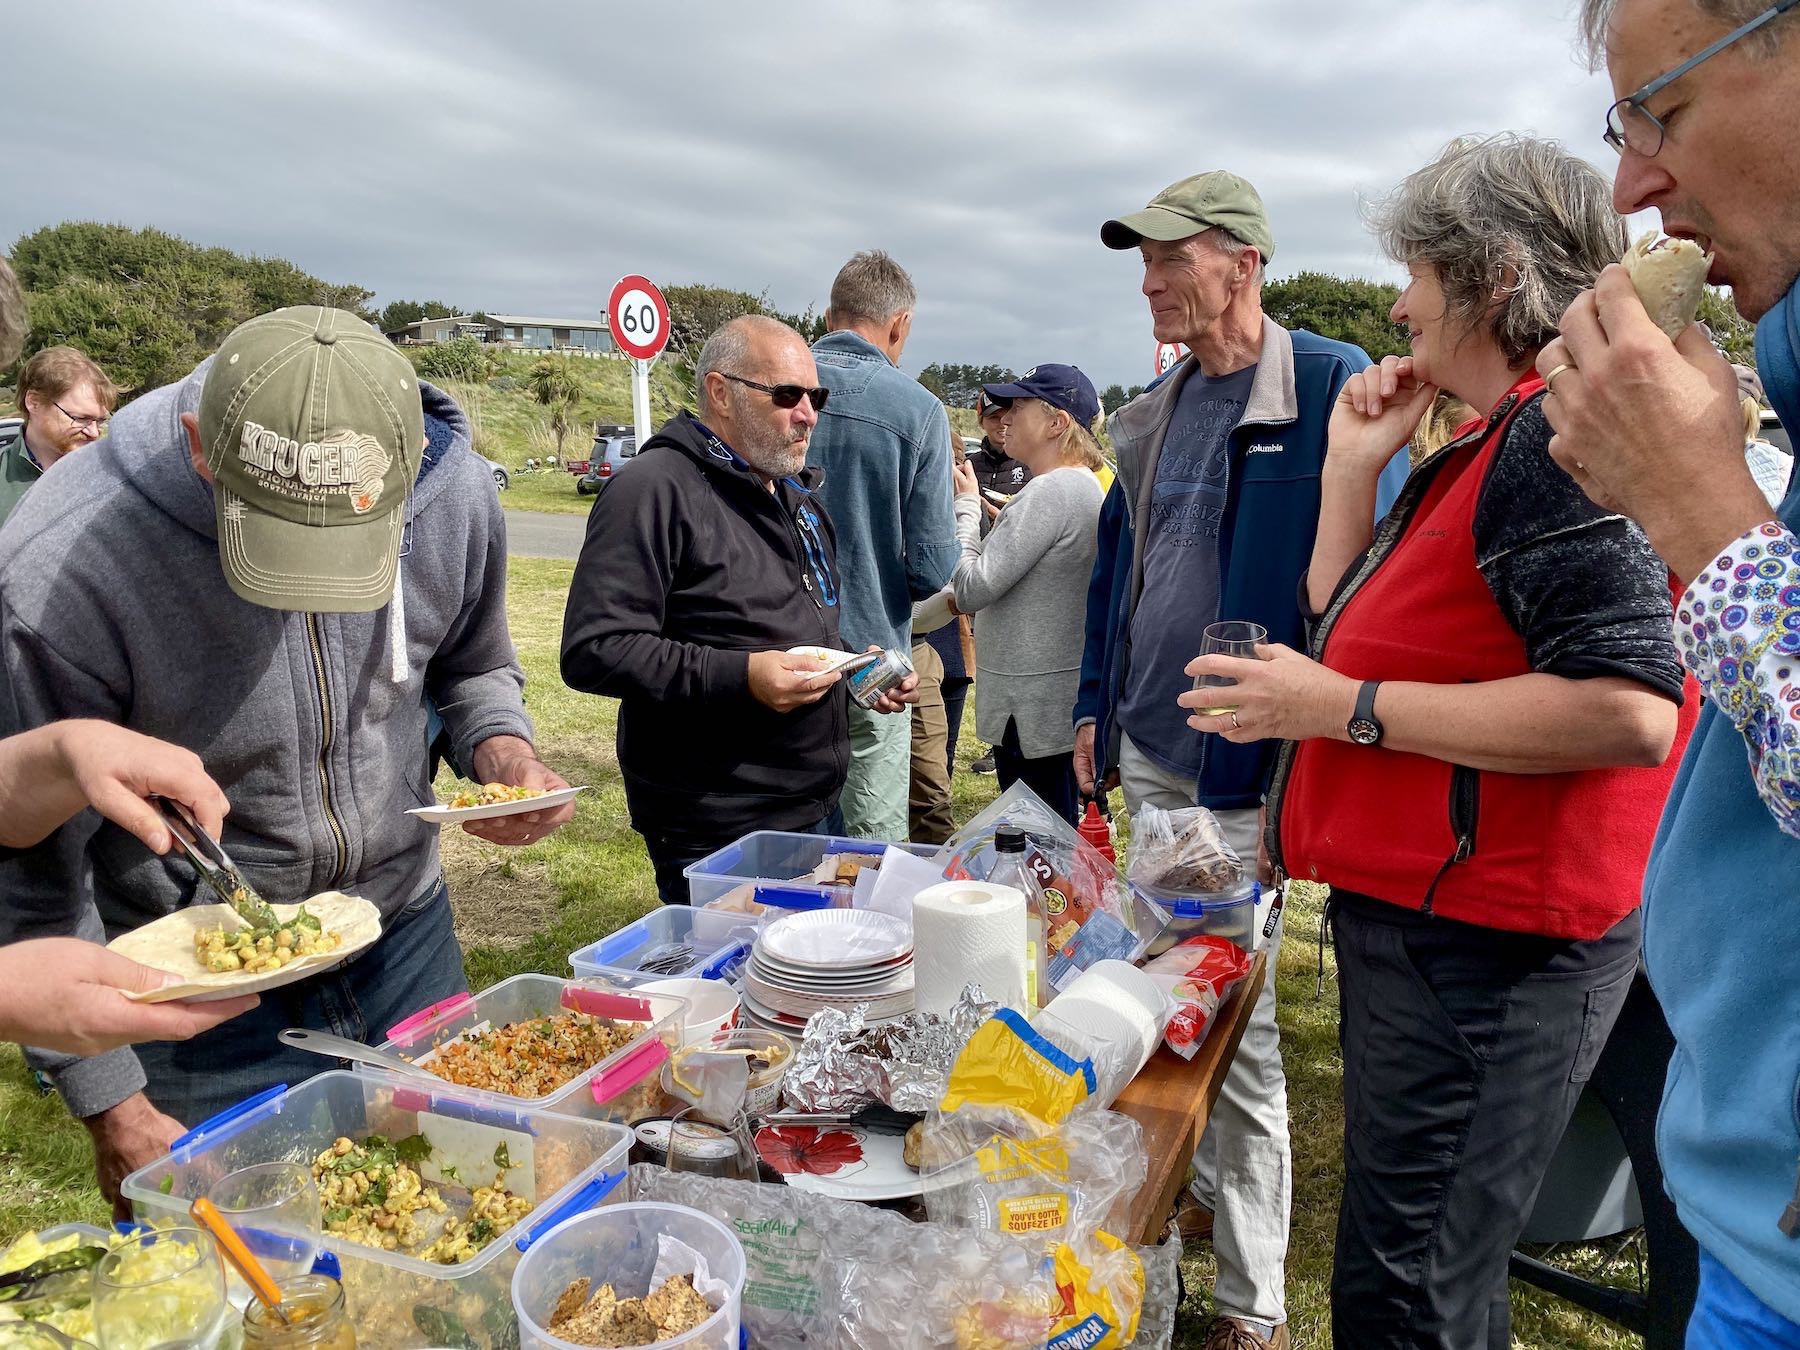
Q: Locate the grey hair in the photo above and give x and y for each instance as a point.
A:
(1597, 15)
(871, 287)
(730, 348)
(1231, 246)
(1504, 217)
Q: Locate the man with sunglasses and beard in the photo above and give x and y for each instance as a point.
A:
(701, 568)
(1703, 124)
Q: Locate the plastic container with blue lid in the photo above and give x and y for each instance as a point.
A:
(1230, 914)
(778, 866)
(671, 942)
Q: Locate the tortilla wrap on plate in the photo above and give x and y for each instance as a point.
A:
(168, 944)
(1670, 277)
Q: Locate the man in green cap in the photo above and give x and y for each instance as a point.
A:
(1211, 518)
(274, 562)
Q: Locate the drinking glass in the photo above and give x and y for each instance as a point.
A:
(1235, 637)
(275, 1209)
(163, 1290)
(711, 1149)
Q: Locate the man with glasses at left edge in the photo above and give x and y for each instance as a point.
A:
(702, 566)
(66, 400)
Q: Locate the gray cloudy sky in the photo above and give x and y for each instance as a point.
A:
(521, 157)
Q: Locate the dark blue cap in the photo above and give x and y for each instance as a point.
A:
(1062, 387)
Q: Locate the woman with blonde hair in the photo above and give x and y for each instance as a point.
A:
(1026, 582)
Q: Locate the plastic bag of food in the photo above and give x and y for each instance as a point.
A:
(1197, 973)
(1009, 1069)
(1183, 850)
(1101, 1281)
(1090, 915)
(1042, 1189)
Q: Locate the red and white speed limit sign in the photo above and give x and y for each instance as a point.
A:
(638, 316)
(1167, 354)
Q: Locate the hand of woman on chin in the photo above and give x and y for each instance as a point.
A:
(1376, 413)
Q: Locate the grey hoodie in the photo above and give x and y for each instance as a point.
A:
(113, 605)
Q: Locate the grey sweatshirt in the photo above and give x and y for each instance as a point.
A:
(1026, 584)
(113, 605)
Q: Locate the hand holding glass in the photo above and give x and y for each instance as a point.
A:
(1234, 637)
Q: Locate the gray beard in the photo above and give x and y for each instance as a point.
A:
(782, 459)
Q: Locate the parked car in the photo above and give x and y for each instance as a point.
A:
(603, 432)
(502, 476)
(613, 450)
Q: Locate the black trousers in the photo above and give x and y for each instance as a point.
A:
(1052, 777)
(956, 698)
(1464, 1051)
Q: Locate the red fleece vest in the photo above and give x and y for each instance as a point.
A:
(1556, 854)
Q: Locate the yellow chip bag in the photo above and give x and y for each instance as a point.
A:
(1101, 1302)
(1009, 1065)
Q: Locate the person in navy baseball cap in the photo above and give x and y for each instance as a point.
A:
(1062, 387)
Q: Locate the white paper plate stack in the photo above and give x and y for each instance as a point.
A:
(829, 958)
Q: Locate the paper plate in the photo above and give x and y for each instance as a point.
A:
(836, 939)
(841, 1161)
(452, 815)
(168, 944)
(869, 978)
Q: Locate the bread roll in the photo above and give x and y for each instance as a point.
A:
(1670, 278)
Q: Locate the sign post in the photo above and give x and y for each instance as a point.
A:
(638, 318)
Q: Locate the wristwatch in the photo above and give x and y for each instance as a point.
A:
(1364, 728)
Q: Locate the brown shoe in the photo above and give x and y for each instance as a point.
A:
(1193, 1220)
(1227, 1333)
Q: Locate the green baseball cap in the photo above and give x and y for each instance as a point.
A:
(313, 430)
(1184, 209)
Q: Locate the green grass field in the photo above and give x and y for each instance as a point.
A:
(526, 909)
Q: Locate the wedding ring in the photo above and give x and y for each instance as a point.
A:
(1235, 724)
(1550, 379)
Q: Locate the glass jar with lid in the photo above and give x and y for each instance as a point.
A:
(317, 1320)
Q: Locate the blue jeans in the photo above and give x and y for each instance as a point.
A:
(416, 962)
(1728, 1316)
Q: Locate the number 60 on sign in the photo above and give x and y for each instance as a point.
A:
(638, 317)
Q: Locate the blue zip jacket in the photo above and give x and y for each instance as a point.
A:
(883, 443)
(1720, 925)
(1277, 453)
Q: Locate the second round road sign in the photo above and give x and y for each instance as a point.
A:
(638, 316)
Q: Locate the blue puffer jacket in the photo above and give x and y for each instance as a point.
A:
(1272, 508)
(1719, 928)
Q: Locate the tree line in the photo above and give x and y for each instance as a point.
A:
(149, 306)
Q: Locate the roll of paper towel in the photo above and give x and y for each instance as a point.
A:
(968, 932)
(1112, 1013)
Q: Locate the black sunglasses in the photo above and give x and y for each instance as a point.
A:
(1630, 123)
(789, 395)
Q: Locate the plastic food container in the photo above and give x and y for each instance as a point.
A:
(572, 1165)
(625, 1086)
(618, 1246)
(678, 941)
(762, 1094)
(1230, 914)
(771, 860)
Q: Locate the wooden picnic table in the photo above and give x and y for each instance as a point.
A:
(1172, 1098)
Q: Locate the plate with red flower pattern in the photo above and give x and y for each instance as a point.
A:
(841, 1161)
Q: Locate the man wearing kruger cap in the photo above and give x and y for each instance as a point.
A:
(273, 562)
(1211, 518)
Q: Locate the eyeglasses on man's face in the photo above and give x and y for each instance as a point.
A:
(1629, 124)
(92, 425)
(789, 395)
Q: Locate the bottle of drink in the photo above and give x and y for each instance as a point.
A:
(1010, 870)
(1095, 829)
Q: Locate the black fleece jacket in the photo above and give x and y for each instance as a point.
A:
(689, 565)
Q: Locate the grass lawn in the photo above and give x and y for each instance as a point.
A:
(526, 909)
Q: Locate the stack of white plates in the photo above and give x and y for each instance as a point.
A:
(829, 958)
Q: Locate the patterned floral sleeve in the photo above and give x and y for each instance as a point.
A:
(1738, 627)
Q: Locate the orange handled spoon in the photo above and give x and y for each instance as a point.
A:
(261, 1283)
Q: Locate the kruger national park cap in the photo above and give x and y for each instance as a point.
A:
(313, 430)
(1201, 202)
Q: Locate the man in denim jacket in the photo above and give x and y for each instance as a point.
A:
(883, 442)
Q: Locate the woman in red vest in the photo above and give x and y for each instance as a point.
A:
(1476, 749)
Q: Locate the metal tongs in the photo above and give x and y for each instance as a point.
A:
(214, 865)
